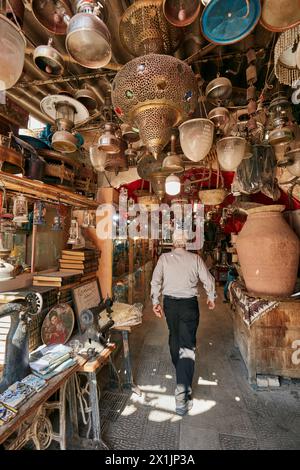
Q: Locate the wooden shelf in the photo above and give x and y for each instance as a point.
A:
(46, 192)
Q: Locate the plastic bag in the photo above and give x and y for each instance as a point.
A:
(258, 173)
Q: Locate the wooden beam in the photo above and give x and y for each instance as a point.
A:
(45, 192)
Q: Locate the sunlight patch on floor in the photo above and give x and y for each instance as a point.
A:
(129, 410)
(201, 406)
(207, 382)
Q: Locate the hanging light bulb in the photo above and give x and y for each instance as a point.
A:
(173, 185)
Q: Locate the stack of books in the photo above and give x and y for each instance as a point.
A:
(35, 382)
(7, 413)
(82, 262)
(17, 394)
(56, 279)
(48, 361)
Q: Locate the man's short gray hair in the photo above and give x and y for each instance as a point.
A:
(180, 238)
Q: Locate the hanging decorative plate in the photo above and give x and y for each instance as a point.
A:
(229, 21)
(58, 325)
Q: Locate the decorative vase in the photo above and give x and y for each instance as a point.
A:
(268, 252)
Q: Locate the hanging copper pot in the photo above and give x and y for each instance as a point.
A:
(117, 162)
(173, 163)
(129, 134)
(219, 89)
(88, 39)
(64, 141)
(87, 98)
(52, 13)
(281, 136)
(109, 142)
(48, 59)
(181, 13)
(220, 117)
(158, 181)
(280, 15)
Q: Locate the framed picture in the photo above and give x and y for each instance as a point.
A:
(58, 325)
(85, 297)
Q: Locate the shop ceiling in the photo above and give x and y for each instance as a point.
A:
(206, 59)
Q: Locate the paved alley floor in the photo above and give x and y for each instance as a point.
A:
(227, 412)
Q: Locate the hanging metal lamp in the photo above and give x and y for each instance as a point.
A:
(66, 112)
(144, 29)
(154, 93)
(88, 39)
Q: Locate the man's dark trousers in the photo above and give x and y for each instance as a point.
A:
(182, 317)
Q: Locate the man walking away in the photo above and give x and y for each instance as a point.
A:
(177, 275)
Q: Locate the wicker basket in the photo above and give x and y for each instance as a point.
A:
(212, 197)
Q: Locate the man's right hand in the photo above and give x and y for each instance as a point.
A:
(211, 304)
(158, 311)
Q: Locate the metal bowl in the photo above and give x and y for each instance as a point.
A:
(218, 89)
(281, 136)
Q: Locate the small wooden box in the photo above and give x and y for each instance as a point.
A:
(271, 344)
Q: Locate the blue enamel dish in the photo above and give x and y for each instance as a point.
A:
(229, 21)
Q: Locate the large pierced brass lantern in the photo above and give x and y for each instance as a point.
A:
(144, 29)
(154, 93)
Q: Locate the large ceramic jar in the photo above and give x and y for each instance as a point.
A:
(268, 252)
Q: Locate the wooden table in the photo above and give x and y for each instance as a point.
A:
(90, 370)
(31, 421)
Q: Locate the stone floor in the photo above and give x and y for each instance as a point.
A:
(227, 412)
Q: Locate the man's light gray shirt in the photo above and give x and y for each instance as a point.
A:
(178, 273)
